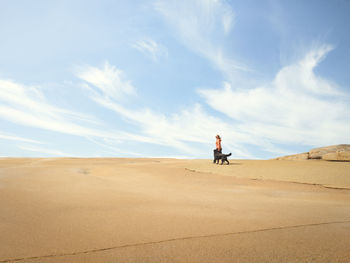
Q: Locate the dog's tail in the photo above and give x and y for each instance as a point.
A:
(229, 154)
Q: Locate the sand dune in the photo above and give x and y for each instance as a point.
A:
(339, 152)
(167, 210)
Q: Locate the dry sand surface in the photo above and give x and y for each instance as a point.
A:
(167, 210)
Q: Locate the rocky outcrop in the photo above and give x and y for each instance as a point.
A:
(319, 153)
(337, 156)
(340, 152)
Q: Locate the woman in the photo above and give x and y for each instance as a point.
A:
(218, 143)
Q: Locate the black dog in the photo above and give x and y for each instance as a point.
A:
(220, 156)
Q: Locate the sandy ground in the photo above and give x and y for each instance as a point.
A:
(165, 210)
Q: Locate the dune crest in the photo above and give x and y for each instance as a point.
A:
(340, 152)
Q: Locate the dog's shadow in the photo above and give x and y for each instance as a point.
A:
(228, 164)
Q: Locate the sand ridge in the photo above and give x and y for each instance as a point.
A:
(317, 172)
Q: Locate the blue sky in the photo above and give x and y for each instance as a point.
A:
(162, 78)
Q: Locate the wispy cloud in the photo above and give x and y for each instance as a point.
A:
(28, 106)
(111, 149)
(179, 130)
(31, 99)
(108, 79)
(297, 106)
(151, 48)
(202, 26)
(45, 151)
(6, 136)
(227, 20)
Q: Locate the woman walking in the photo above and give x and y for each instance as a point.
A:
(218, 143)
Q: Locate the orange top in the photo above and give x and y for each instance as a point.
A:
(218, 144)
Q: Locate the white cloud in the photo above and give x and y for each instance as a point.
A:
(202, 27)
(45, 151)
(27, 105)
(227, 20)
(11, 137)
(109, 80)
(151, 48)
(31, 99)
(179, 130)
(106, 87)
(297, 107)
(111, 149)
(192, 129)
